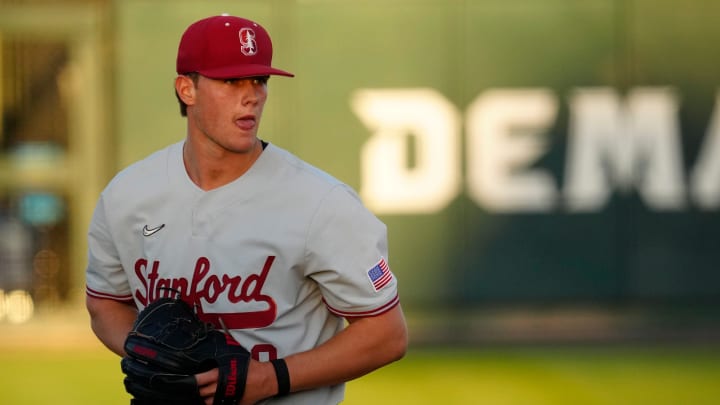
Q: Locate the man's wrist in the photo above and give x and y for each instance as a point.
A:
(261, 382)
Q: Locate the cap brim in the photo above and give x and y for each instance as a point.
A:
(238, 72)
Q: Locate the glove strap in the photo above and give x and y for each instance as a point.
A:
(283, 377)
(232, 372)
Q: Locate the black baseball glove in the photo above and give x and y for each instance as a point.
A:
(168, 345)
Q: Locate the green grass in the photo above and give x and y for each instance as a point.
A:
(61, 377)
(535, 376)
(500, 376)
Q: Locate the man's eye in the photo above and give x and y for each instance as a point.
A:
(254, 80)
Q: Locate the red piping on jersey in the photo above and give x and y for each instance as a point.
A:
(374, 312)
(98, 294)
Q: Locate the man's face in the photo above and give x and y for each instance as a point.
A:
(227, 112)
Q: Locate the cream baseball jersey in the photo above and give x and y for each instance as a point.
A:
(278, 257)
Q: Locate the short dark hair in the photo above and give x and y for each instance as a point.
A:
(183, 107)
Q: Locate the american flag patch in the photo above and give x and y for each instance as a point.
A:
(380, 275)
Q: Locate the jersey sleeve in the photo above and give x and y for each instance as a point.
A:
(347, 255)
(104, 275)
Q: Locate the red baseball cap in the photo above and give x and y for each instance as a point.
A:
(226, 47)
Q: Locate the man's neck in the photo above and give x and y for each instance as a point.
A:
(211, 168)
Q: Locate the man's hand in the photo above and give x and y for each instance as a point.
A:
(261, 383)
(207, 385)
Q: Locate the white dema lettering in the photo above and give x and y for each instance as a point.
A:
(412, 162)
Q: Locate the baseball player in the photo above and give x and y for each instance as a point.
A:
(263, 245)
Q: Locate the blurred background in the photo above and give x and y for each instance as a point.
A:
(549, 170)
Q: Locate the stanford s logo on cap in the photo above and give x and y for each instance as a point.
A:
(247, 40)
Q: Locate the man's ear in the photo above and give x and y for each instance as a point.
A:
(185, 89)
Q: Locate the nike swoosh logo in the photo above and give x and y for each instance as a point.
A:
(151, 231)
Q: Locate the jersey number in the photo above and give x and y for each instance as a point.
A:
(264, 352)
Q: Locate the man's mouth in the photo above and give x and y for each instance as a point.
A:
(246, 122)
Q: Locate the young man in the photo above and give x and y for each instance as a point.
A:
(263, 244)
